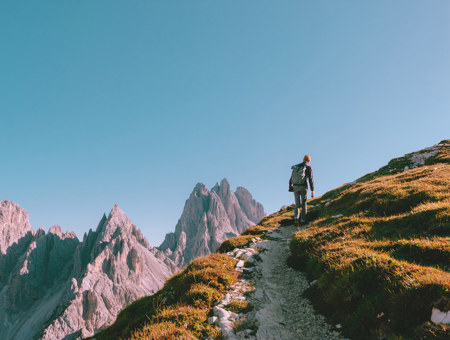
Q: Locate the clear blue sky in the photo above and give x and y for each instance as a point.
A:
(134, 102)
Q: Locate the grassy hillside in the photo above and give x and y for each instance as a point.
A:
(380, 250)
(181, 308)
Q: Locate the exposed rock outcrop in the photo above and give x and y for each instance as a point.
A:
(14, 224)
(52, 286)
(120, 269)
(251, 208)
(34, 287)
(208, 219)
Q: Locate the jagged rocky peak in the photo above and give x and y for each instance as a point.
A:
(52, 286)
(35, 271)
(253, 209)
(113, 266)
(208, 219)
(200, 189)
(116, 220)
(14, 224)
(223, 188)
(56, 230)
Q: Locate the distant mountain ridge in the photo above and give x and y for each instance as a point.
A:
(208, 219)
(52, 286)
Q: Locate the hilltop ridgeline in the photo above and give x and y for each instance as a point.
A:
(379, 249)
(375, 251)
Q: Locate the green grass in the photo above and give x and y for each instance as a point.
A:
(381, 266)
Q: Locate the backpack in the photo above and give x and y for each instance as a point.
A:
(298, 174)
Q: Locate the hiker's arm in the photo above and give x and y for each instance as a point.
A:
(311, 182)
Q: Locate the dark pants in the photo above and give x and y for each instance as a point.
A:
(300, 193)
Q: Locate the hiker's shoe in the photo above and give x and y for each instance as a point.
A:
(302, 222)
(296, 223)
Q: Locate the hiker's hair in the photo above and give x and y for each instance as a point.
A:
(307, 158)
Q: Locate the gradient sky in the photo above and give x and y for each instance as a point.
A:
(134, 102)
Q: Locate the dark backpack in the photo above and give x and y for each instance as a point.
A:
(298, 174)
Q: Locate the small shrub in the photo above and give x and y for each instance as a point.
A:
(239, 306)
(235, 242)
(202, 295)
(257, 230)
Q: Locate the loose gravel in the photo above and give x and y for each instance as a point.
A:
(279, 311)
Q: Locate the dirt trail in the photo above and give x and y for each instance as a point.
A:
(279, 310)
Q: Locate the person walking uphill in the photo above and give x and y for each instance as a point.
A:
(301, 174)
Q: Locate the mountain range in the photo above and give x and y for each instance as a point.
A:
(54, 286)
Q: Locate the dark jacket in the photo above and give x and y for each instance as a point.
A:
(309, 177)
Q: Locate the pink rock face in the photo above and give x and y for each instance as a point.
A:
(208, 219)
(52, 286)
(14, 224)
(251, 208)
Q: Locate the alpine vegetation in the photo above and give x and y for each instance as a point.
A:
(379, 249)
(373, 258)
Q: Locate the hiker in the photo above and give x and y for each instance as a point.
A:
(301, 174)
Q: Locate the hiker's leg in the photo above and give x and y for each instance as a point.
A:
(303, 194)
(297, 203)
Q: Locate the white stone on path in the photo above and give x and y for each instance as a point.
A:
(438, 316)
(220, 312)
(212, 319)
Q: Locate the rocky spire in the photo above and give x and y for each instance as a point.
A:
(14, 224)
(55, 287)
(252, 209)
(208, 219)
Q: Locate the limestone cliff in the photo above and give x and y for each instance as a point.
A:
(208, 219)
(55, 287)
(14, 224)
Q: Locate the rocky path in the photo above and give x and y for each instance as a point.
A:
(278, 309)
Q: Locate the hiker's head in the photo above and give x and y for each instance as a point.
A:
(307, 158)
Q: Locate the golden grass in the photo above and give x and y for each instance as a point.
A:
(235, 242)
(379, 267)
(239, 306)
(388, 254)
(181, 308)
